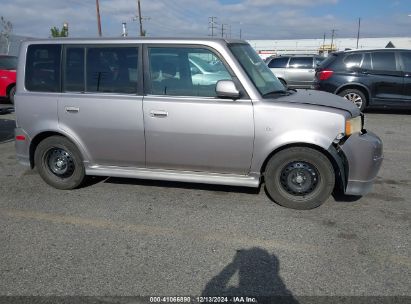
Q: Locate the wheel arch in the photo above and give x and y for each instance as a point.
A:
(45, 134)
(9, 87)
(356, 86)
(331, 154)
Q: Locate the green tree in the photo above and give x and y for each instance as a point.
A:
(56, 32)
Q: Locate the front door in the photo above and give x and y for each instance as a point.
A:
(100, 106)
(186, 126)
(406, 69)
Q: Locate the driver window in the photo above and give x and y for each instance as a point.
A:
(185, 71)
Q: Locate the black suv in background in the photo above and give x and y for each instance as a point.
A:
(368, 78)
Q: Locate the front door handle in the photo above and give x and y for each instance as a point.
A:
(72, 109)
(160, 114)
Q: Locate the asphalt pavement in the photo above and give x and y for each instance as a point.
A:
(124, 237)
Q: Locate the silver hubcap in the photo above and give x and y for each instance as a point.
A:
(354, 98)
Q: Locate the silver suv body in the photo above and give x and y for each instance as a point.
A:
(110, 107)
(295, 71)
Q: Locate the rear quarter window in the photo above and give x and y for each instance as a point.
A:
(43, 68)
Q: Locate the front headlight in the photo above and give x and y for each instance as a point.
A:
(353, 125)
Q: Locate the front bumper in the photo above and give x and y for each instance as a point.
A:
(364, 156)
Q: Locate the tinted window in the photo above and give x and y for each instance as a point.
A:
(406, 60)
(318, 60)
(185, 71)
(280, 62)
(352, 60)
(301, 62)
(8, 63)
(366, 63)
(74, 70)
(383, 61)
(329, 61)
(112, 69)
(43, 68)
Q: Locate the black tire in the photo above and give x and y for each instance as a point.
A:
(306, 163)
(68, 167)
(354, 92)
(11, 94)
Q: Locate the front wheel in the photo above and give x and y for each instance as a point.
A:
(299, 178)
(356, 97)
(59, 163)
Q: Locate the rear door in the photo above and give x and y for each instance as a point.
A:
(406, 70)
(101, 105)
(387, 79)
(300, 72)
(186, 126)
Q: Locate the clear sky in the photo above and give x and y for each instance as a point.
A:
(257, 19)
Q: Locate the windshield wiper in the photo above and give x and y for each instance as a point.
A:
(277, 92)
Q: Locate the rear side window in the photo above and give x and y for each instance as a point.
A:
(406, 61)
(74, 70)
(280, 62)
(353, 60)
(111, 69)
(301, 62)
(384, 61)
(43, 68)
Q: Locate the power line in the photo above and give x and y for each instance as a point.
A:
(212, 24)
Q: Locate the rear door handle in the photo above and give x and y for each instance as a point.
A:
(157, 113)
(72, 109)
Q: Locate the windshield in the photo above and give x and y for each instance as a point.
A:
(262, 77)
(8, 63)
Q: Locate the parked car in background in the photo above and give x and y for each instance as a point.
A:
(295, 71)
(368, 78)
(8, 66)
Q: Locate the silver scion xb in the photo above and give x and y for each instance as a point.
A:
(137, 108)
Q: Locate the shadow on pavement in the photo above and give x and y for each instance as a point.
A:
(258, 276)
(7, 130)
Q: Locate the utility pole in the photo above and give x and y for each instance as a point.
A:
(358, 33)
(140, 19)
(212, 24)
(332, 38)
(223, 29)
(240, 33)
(98, 18)
(229, 31)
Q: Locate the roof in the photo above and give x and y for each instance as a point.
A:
(135, 39)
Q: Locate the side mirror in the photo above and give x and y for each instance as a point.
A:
(227, 89)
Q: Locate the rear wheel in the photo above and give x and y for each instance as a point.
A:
(356, 97)
(59, 163)
(11, 94)
(299, 178)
